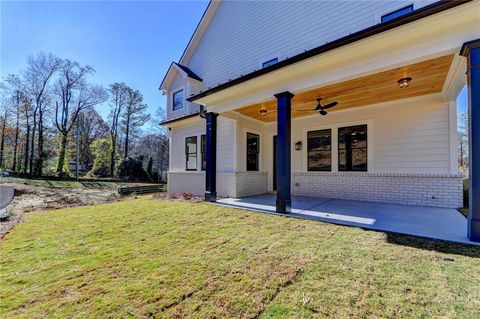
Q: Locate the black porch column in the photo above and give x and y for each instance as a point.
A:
(284, 109)
(211, 157)
(471, 50)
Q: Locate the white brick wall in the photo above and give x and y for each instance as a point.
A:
(228, 184)
(410, 189)
(251, 183)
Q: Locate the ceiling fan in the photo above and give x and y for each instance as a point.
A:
(320, 108)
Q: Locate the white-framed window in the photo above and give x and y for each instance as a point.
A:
(353, 148)
(350, 145)
(191, 153)
(269, 62)
(177, 100)
(319, 150)
(397, 13)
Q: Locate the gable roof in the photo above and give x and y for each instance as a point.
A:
(418, 14)
(183, 70)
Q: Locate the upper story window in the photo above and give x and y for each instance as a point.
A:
(253, 150)
(177, 100)
(319, 148)
(352, 149)
(269, 62)
(397, 13)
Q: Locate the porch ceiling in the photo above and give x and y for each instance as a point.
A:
(427, 77)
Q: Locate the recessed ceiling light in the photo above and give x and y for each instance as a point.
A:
(404, 83)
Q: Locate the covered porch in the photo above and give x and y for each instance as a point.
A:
(428, 222)
(403, 80)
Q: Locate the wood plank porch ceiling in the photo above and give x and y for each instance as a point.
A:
(427, 77)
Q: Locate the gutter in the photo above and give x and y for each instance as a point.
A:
(421, 13)
(179, 118)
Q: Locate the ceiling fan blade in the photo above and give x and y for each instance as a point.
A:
(322, 112)
(329, 105)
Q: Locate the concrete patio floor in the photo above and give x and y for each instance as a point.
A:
(430, 222)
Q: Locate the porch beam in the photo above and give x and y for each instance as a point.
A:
(211, 157)
(471, 50)
(284, 142)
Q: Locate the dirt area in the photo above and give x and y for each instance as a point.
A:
(30, 199)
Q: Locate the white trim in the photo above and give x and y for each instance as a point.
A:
(401, 5)
(172, 92)
(278, 56)
(452, 117)
(334, 129)
(198, 33)
(261, 152)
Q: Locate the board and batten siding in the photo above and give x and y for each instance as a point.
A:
(242, 35)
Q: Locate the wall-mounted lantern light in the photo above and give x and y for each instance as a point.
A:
(298, 146)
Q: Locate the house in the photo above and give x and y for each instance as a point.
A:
(338, 99)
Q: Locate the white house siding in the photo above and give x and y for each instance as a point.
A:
(242, 35)
(409, 156)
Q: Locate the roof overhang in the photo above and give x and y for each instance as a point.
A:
(173, 70)
(430, 32)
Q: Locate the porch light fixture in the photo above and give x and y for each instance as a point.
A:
(263, 111)
(404, 82)
(298, 146)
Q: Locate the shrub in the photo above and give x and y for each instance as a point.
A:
(131, 169)
(100, 172)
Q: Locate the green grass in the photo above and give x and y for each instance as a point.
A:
(149, 258)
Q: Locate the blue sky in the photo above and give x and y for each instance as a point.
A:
(129, 41)
(132, 41)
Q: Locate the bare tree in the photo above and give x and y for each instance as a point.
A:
(462, 136)
(5, 110)
(118, 96)
(74, 94)
(91, 127)
(41, 69)
(134, 116)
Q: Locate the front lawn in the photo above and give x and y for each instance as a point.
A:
(150, 258)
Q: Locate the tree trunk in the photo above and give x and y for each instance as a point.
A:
(32, 147)
(2, 141)
(61, 154)
(127, 133)
(40, 154)
(27, 149)
(112, 154)
(15, 146)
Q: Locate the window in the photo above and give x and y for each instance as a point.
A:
(191, 153)
(319, 148)
(397, 13)
(177, 100)
(269, 62)
(253, 149)
(203, 145)
(352, 148)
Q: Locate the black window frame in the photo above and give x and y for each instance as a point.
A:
(266, 64)
(397, 13)
(313, 169)
(347, 168)
(203, 153)
(187, 155)
(173, 100)
(257, 153)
